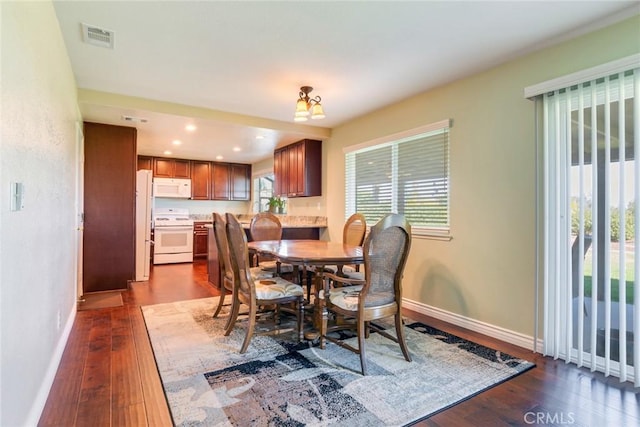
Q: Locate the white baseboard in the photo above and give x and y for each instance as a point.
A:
(474, 325)
(47, 381)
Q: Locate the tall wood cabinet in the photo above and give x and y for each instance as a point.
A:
(298, 169)
(109, 207)
(200, 179)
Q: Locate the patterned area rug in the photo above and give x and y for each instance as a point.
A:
(278, 382)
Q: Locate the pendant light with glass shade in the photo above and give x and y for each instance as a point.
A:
(308, 107)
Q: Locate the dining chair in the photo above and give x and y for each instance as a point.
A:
(255, 293)
(224, 261)
(353, 233)
(378, 296)
(267, 226)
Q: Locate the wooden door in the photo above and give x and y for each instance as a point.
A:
(162, 168)
(220, 181)
(280, 186)
(200, 180)
(109, 206)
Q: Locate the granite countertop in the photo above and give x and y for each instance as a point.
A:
(288, 221)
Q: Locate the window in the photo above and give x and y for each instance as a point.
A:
(406, 173)
(263, 190)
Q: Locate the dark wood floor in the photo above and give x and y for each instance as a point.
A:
(108, 376)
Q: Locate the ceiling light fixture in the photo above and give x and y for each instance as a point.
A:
(308, 106)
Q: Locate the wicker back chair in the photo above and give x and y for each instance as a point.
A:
(267, 226)
(224, 262)
(379, 295)
(255, 293)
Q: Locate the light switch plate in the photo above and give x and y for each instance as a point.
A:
(17, 196)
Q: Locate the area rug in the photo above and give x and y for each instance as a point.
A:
(279, 382)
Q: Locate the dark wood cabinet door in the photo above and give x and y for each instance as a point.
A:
(171, 168)
(200, 180)
(181, 168)
(220, 181)
(311, 159)
(240, 182)
(200, 236)
(145, 162)
(109, 207)
(162, 167)
(279, 171)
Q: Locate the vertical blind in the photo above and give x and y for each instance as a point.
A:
(408, 175)
(591, 135)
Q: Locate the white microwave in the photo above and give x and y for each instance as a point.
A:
(177, 188)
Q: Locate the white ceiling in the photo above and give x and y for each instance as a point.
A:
(234, 68)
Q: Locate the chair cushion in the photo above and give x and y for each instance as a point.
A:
(258, 273)
(345, 298)
(272, 267)
(279, 289)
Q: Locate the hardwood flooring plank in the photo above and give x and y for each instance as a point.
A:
(156, 406)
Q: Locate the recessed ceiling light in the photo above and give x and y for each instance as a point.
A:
(259, 137)
(236, 149)
(167, 153)
(190, 127)
(176, 142)
(219, 157)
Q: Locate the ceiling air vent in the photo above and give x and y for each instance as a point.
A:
(97, 36)
(133, 119)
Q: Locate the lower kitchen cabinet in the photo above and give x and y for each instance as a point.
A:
(200, 235)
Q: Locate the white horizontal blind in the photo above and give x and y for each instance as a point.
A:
(592, 188)
(409, 175)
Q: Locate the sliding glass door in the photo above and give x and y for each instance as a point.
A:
(591, 190)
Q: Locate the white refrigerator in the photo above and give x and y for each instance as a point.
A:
(144, 201)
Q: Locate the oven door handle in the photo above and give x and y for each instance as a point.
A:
(185, 228)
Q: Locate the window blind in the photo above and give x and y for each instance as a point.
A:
(408, 175)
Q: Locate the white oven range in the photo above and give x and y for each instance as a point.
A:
(172, 236)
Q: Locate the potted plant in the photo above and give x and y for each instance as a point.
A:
(276, 204)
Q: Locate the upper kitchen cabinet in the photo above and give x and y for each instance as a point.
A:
(240, 175)
(298, 169)
(230, 181)
(108, 250)
(145, 162)
(171, 168)
(200, 180)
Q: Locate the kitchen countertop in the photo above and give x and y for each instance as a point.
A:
(288, 221)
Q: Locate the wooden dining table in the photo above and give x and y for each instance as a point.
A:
(310, 255)
(310, 252)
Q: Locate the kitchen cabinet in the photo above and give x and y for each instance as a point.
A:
(230, 181)
(220, 176)
(200, 236)
(171, 168)
(145, 162)
(108, 250)
(240, 180)
(298, 169)
(200, 180)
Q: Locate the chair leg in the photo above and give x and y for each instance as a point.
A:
(361, 332)
(233, 316)
(400, 335)
(250, 328)
(300, 319)
(223, 292)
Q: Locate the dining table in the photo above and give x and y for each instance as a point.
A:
(310, 255)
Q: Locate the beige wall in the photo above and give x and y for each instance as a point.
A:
(487, 272)
(37, 244)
